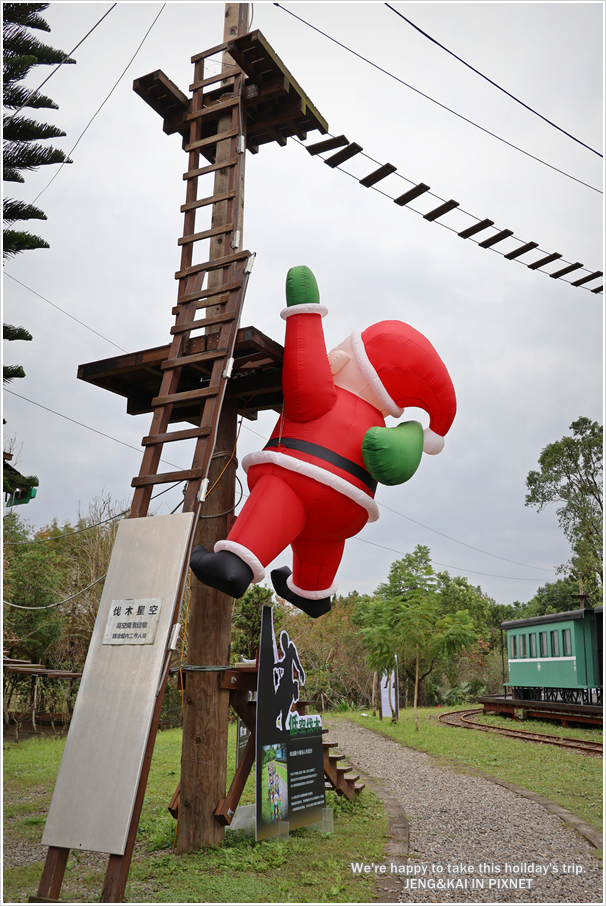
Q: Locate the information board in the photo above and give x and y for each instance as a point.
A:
(96, 786)
(289, 758)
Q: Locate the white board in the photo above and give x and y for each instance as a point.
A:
(96, 786)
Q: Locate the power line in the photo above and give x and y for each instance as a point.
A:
(64, 312)
(506, 559)
(58, 603)
(102, 104)
(88, 527)
(443, 106)
(58, 66)
(82, 425)
(473, 69)
(430, 529)
(447, 565)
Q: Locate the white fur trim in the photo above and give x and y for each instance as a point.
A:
(312, 595)
(432, 442)
(306, 308)
(315, 472)
(369, 372)
(244, 554)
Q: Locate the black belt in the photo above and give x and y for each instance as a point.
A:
(304, 446)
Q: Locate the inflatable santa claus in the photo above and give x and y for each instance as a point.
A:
(313, 484)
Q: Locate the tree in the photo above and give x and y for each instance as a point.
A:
(410, 618)
(246, 621)
(571, 473)
(21, 151)
(22, 52)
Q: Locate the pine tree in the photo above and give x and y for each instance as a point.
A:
(22, 52)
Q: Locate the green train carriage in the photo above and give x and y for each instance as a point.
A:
(556, 657)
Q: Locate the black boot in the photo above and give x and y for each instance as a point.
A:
(224, 571)
(311, 608)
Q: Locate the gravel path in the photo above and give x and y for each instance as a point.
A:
(460, 820)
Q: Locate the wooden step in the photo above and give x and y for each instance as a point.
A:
(213, 265)
(206, 234)
(211, 140)
(213, 111)
(220, 289)
(167, 478)
(359, 787)
(202, 322)
(209, 199)
(352, 778)
(209, 355)
(219, 165)
(184, 397)
(167, 438)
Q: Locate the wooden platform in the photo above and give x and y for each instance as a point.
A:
(274, 104)
(256, 380)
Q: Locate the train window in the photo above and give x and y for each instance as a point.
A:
(555, 643)
(567, 646)
(513, 645)
(522, 646)
(532, 640)
(543, 643)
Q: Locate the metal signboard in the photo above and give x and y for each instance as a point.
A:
(96, 786)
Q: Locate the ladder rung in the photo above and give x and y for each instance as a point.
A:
(211, 140)
(203, 322)
(210, 199)
(207, 356)
(209, 52)
(152, 439)
(167, 478)
(213, 109)
(184, 397)
(206, 234)
(221, 288)
(220, 165)
(219, 77)
(215, 264)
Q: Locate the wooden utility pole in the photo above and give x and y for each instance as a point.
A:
(205, 719)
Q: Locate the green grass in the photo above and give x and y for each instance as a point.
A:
(308, 867)
(566, 777)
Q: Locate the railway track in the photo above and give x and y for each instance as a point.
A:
(465, 720)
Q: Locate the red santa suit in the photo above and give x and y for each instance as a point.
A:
(309, 486)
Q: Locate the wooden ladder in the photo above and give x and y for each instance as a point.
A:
(217, 285)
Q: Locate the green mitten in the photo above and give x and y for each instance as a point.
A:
(392, 455)
(301, 286)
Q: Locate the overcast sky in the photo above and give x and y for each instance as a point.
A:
(524, 351)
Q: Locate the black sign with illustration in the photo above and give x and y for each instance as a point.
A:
(290, 768)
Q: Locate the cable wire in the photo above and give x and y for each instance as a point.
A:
(102, 104)
(111, 342)
(88, 527)
(473, 69)
(58, 603)
(443, 106)
(58, 66)
(82, 425)
(448, 565)
(464, 543)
